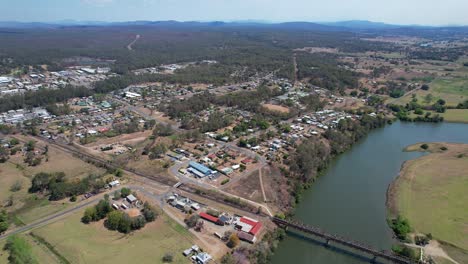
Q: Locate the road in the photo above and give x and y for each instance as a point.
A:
(53, 217)
(156, 179)
(129, 46)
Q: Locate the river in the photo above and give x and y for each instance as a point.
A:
(349, 199)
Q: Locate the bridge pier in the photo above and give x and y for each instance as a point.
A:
(327, 243)
(374, 259)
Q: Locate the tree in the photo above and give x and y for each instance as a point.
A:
(233, 241)
(90, 215)
(157, 151)
(4, 154)
(149, 212)
(163, 130)
(125, 224)
(425, 87)
(124, 192)
(400, 227)
(137, 222)
(192, 220)
(102, 209)
(4, 224)
(118, 172)
(30, 145)
(113, 220)
(20, 251)
(428, 98)
(228, 259)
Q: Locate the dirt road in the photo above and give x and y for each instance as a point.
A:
(129, 46)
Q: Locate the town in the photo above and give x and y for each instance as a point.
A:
(207, 142)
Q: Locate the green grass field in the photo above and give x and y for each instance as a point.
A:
(456, 115)
(450, 115)
(452, 90)
(432, 193)
(80, 243)
(42, 254)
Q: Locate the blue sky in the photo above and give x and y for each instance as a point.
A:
(426, 12)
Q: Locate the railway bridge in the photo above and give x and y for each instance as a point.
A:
(329, 238)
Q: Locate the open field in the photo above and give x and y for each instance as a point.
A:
(30, 207)
(276, 108)
(58, 161)
(450, 115)
(248, 188)
(435, 181)
(456, 115)
(93, 243)
(41, 253)
(452, 90)
(9, 175)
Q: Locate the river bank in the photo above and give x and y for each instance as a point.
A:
(431, 192)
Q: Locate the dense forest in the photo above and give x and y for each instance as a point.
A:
(324, 71)
(258, 48)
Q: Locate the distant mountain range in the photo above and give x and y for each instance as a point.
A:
(327, 26)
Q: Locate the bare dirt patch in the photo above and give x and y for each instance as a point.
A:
(276, 108)
(318, 50)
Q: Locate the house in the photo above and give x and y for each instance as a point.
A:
(203, 258)
(114, 183)
(131, 199)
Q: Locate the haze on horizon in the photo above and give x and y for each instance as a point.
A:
(403, 12)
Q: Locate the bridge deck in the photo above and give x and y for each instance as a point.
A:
(343, 241)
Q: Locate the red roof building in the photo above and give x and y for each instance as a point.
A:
(249, 225)
(246, 161)
(210, 218)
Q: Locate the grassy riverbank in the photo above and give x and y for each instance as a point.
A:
(431, 192)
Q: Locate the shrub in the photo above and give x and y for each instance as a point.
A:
(16, 186)
(421, 240)
(225, 181)
(168, 257)
(233, 241)
(424, 146)
(405, 251)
